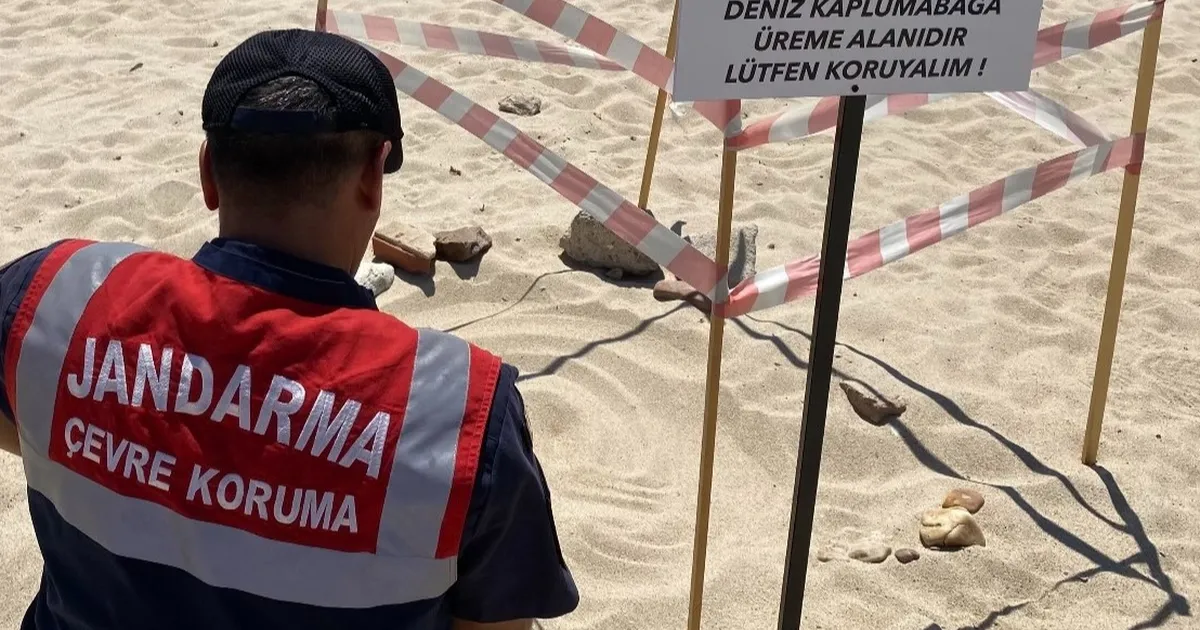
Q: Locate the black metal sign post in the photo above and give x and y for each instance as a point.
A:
(847, 139)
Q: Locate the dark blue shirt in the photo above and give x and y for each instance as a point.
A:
(510, 565)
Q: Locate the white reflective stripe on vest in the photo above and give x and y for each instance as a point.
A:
(39, 366)
(423, 464)
(404, 568)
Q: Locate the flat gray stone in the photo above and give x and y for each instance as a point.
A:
(521, 105)
(588, 243)
(462, 244)
(743, 250)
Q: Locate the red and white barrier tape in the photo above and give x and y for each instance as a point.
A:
(1053, 116)
(620, 216)
(798, 278)
(871, 251)
(1054, 43)
(597, 35)
(612, 48)
(1080, 35)
(438, 37)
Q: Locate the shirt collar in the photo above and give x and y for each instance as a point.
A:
(281, 273)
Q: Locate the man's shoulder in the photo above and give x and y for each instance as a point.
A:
(16, 278)
(16, 275)
(29, 262)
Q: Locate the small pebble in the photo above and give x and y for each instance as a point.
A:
(454, 171)
(136, 66)
(904, 556)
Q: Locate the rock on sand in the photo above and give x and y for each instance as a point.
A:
(588, 243)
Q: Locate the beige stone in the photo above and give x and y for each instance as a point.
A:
(951, 528)
(904, 556)
(668, 290)
(870, 551)
(965, 498)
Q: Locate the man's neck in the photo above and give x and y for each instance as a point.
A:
(316, 245)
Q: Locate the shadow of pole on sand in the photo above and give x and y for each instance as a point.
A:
(1131, 524)
(1148, 555)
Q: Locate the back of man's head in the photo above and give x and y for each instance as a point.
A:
(286, 170)
(289, 115)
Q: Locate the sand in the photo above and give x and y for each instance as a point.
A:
(990, 338)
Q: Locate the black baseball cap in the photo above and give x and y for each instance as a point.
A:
(358, 83)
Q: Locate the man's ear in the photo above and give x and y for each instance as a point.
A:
(371, 182)
(208, 180)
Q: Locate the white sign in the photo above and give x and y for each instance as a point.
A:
(730, 49)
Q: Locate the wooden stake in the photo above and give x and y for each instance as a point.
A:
(660, 107)
(322, 6)
(716, 338)
(1120, 258)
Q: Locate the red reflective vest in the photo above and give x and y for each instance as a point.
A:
(291, 450)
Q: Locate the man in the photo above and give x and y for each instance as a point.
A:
(242, 440)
